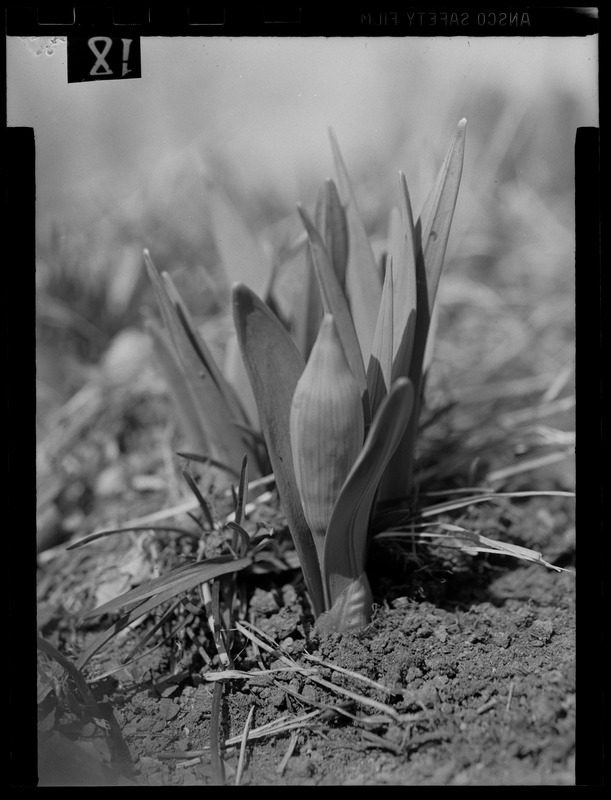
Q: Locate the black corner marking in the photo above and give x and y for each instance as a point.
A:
(205, 16)
(281, 14)
(130, 15)
(99, 58)
(56, 15)
(590, 377)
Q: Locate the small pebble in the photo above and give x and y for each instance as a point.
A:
(542, 629)
(501, 639)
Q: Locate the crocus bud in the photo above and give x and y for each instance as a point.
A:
(326, 428)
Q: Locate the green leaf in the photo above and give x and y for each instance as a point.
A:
(131, 616)
(92, 537)
(347, 535)
(274, 366)
(179, 388)
(379, 372)
(326, 427)
(177, 580)
(436, 227)
(429, 264)
(330, 219)
(203, 503)
(214, 409)
(242, 492)
(162, 595)
(203, 353)
(306, 313)
(238, 380)
(168, 314)
(363, 279)
(403, 248)
(335, 303)
(403, 242)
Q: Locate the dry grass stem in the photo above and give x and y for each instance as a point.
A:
(242, 758)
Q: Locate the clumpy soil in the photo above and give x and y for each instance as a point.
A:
(465, 676)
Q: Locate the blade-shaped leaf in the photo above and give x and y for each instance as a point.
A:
(436, 226)
(403, 241)
(327, 429)
(347, 535)
(274, 365)
(135, 613)
(429, 264)
(146, 605)
(363, 279)
(179, 388)
(335, 303)
(201, 349)
(403, 248)
(163, 301)
(238, 379)
(312, 305)
(330, 219)
(226, 442)
(180, 579)
(379, 372)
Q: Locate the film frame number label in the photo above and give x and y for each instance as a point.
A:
(99, 58)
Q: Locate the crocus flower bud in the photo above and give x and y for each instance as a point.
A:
(326, 428)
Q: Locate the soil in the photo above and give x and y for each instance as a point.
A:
(465, 676)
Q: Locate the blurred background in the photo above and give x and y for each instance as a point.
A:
(121, 166)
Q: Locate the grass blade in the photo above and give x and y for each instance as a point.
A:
(203, 353)
(429, 264)
(203, 503)
(203, 459)
(436, 226)
(347, 537)
(274, 366)
(435, 230)
(178, 580)
(131, 616)
(214, 410)
(145, 638)
(242, 491)
(92, 537)
(179, 388)
(216, 758)
(363, 279)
